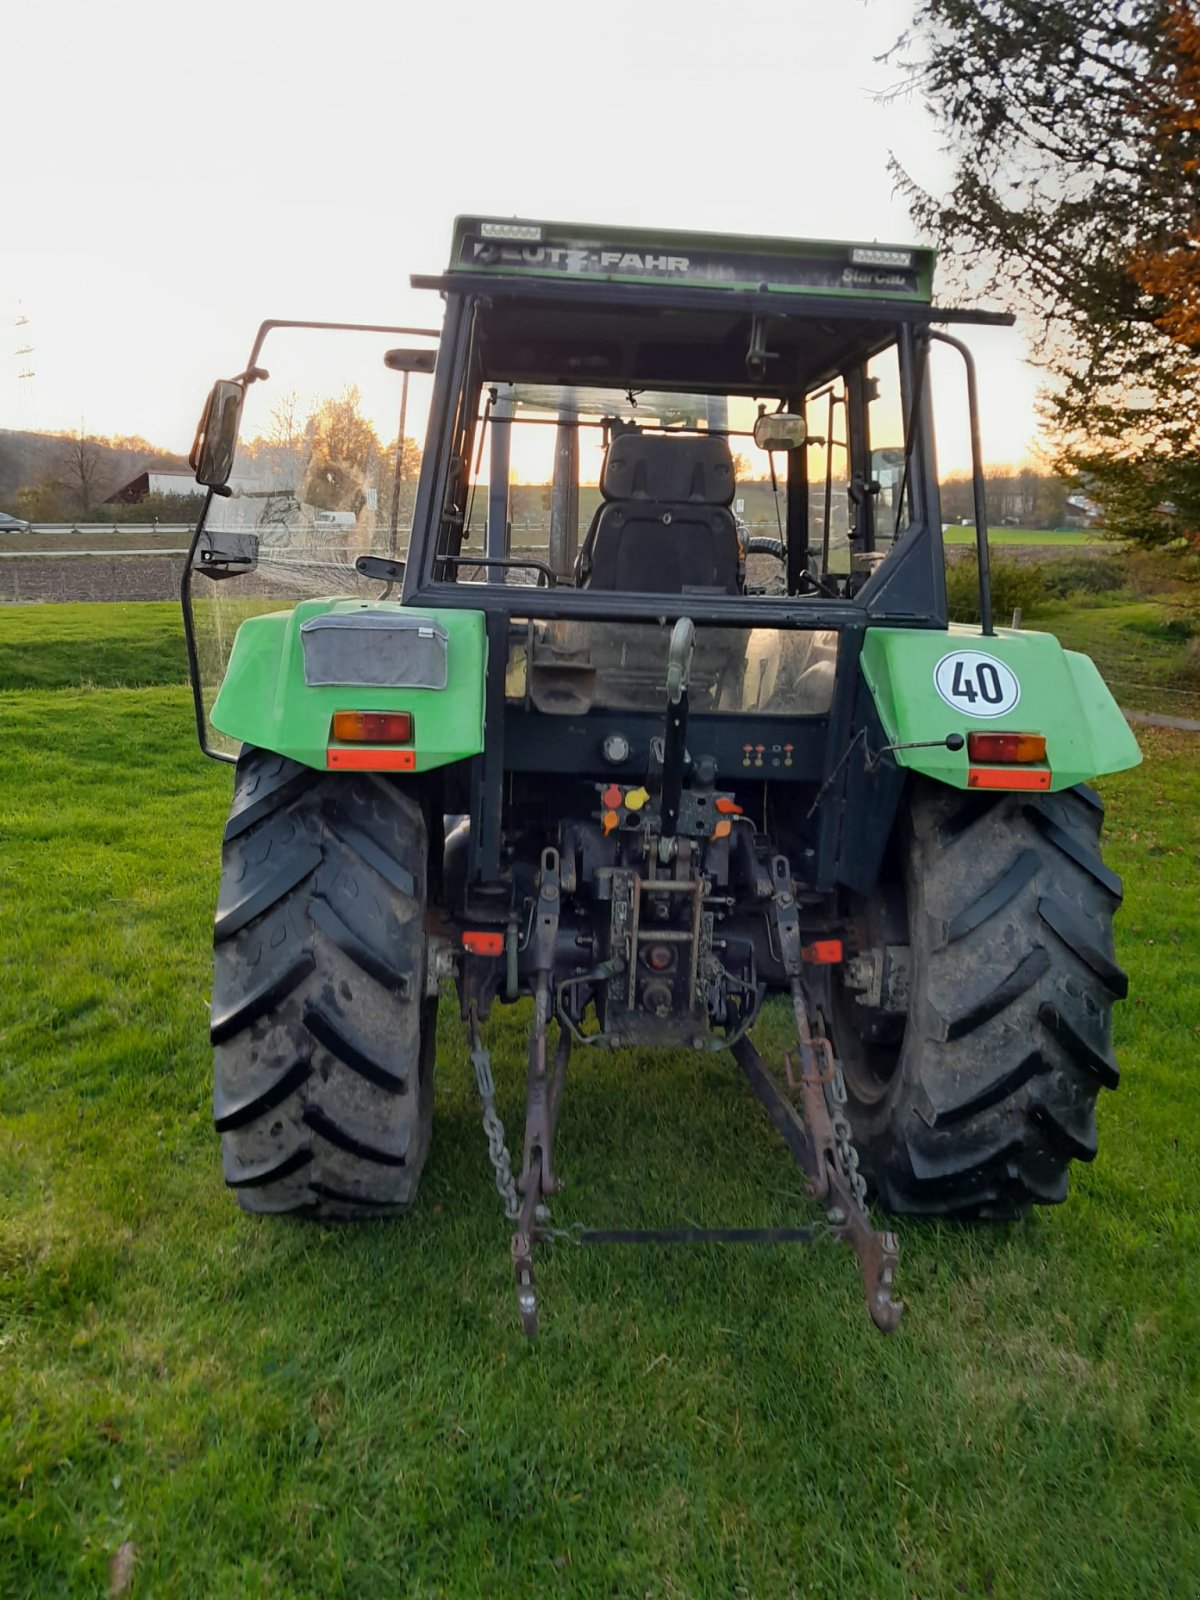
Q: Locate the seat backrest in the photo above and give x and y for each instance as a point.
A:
(665, 525)
(677, 468)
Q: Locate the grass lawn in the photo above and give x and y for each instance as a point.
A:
(1000, 538)
(1140, 649)
(82, 644)
(273, 1409)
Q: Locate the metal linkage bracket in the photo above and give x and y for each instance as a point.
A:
(811, 1233)
(817, 1134)
(812, 1142)
(811, 1063)
(543, 1092)
(823, 1143)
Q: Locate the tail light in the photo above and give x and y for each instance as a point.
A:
(1013, 751)
(372, 727)
(1009, 747)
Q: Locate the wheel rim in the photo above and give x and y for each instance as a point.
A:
(868, 1067)
(870, 1064)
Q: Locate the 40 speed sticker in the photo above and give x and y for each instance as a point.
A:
(976, 684)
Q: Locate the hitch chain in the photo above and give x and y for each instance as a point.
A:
(817, 1061)
(498, 1152)
(843, 1136)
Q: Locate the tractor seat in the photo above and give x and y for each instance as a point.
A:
(665, 525)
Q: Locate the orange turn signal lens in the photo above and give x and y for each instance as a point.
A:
(481, 943)
(372, 760)
(823, 952)
(1007, 778)
(1006, 746)
(373, 727)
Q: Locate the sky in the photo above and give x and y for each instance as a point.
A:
(177, 173)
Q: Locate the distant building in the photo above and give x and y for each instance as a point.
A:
(1082, 512)
(167, 481)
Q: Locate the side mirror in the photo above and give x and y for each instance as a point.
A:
(779, 430)
(211, 457)
(410, 360)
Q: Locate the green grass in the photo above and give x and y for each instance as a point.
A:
(82, 644)
(1142, 651)
(272, 1409)
(1004, 537)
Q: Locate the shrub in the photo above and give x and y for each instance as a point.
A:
(1106, 574)
(1158, 576)
(1176, 629)
(1015, 585)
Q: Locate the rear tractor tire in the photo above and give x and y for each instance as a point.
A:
(323, 1035)
(973, 1100)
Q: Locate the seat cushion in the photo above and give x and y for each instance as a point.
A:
(664, 549)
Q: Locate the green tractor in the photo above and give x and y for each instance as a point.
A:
(633, 691)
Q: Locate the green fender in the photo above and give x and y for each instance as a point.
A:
(266, 701)
(929, 684)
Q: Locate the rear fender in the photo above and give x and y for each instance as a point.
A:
(927, 684)
(277, 692)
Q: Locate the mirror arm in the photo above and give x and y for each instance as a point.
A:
(250, 375)
(757, 354)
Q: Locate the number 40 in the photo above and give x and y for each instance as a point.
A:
(989, 690)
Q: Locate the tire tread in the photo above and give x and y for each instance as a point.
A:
(323, 1061)
(1008, 1040)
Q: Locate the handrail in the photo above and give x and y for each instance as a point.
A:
(981, 531)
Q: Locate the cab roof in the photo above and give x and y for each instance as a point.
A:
(582, 253)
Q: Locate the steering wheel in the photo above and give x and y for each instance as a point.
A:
(775, 547)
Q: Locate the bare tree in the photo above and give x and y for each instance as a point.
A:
(286, 428)
(80, 471)
(279, 453)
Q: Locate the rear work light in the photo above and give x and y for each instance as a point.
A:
(1015, 747)
(372, 727)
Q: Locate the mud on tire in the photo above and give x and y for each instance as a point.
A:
(324, 1041)
(991, 1092)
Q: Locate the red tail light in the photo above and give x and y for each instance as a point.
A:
(372, 727)
(1006, 746)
